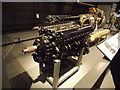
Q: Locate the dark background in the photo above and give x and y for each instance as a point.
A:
(22, 15)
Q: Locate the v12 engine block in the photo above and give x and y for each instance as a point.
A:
(59, 41)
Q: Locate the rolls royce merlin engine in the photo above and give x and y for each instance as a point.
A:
(59, 41)
(59, 48)
(65, 39)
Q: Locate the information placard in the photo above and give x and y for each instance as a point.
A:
(110, 46)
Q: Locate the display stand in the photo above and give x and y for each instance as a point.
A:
(56, 80)
(110, 47)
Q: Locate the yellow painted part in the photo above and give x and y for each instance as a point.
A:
(94, 9)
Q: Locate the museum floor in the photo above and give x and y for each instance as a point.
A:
(20, 70)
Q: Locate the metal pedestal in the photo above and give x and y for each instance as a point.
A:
(56, 80)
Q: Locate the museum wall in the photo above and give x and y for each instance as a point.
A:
(106, 8)
(18, 16)
(109, 7)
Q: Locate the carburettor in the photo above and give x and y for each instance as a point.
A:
(59, 41)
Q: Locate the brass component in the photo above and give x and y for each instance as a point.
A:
(36, 28)
(98, 34)
(29, 49)
(38, 39)
(87, 19)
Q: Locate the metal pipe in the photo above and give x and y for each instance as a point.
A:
(29, 49)
(56, 73)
